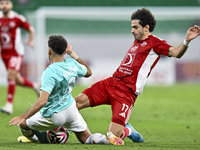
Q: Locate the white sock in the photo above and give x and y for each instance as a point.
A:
(28, 134)
(97, 138)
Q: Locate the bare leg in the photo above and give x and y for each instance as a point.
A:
(83, 136)
(116, 129)
(86, 137)
(19, 79)
(33, 135)
(27, 83)
(82, 101)
(24, 81)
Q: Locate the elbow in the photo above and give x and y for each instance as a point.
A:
(32, 29)
(43, 102)
(176, 55)
(88, 74)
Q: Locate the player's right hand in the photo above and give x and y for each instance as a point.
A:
(17, 120)
(69, 49)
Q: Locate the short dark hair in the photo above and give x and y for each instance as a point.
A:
(145, 17)
(57, 43)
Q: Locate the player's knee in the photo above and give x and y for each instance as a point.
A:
(24, 126)
(19, 80)
(11, 74)
(78, 102)
(82, 101)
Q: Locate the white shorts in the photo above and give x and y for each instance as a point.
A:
(69, 118)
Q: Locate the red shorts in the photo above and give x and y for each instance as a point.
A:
(14, 62)
(113, 91)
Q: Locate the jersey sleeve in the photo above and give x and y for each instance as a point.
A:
(161, 47)
(23, 23)
(82, 70)
(47, 81)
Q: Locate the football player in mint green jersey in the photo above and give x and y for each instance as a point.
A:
(56, 107)
(58, 80)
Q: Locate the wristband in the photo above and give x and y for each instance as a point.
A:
(74, 56)
(185, 43)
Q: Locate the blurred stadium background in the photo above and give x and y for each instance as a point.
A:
(100, 34)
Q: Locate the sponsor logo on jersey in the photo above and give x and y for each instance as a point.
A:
(4, 28)
(128, 60)
(6, 40)
(133, 48)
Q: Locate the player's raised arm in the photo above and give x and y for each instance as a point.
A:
(179, 51)
(74, 56)
(31, 32)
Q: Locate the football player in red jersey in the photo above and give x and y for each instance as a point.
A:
(121, 90)
(12, 49)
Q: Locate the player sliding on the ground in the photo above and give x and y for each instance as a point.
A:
(121, 90)
(56, 107)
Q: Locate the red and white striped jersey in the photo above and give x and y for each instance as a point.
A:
(10, 34)
(140, 60)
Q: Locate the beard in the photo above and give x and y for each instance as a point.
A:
(5, 11)
(139, 36)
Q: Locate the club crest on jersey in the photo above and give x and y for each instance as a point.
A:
(12, 24)
(144, 44)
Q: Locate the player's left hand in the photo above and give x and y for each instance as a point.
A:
(30, 44)
(192, 33)
(17, 120)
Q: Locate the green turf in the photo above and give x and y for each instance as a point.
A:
(167, 117)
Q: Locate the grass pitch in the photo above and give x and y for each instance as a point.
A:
(167, 117)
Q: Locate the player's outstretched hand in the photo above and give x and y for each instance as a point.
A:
(30, 44)
(16, 120)
(69, 49)
(192, 33)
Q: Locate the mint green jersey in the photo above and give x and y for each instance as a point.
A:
(58, 80)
